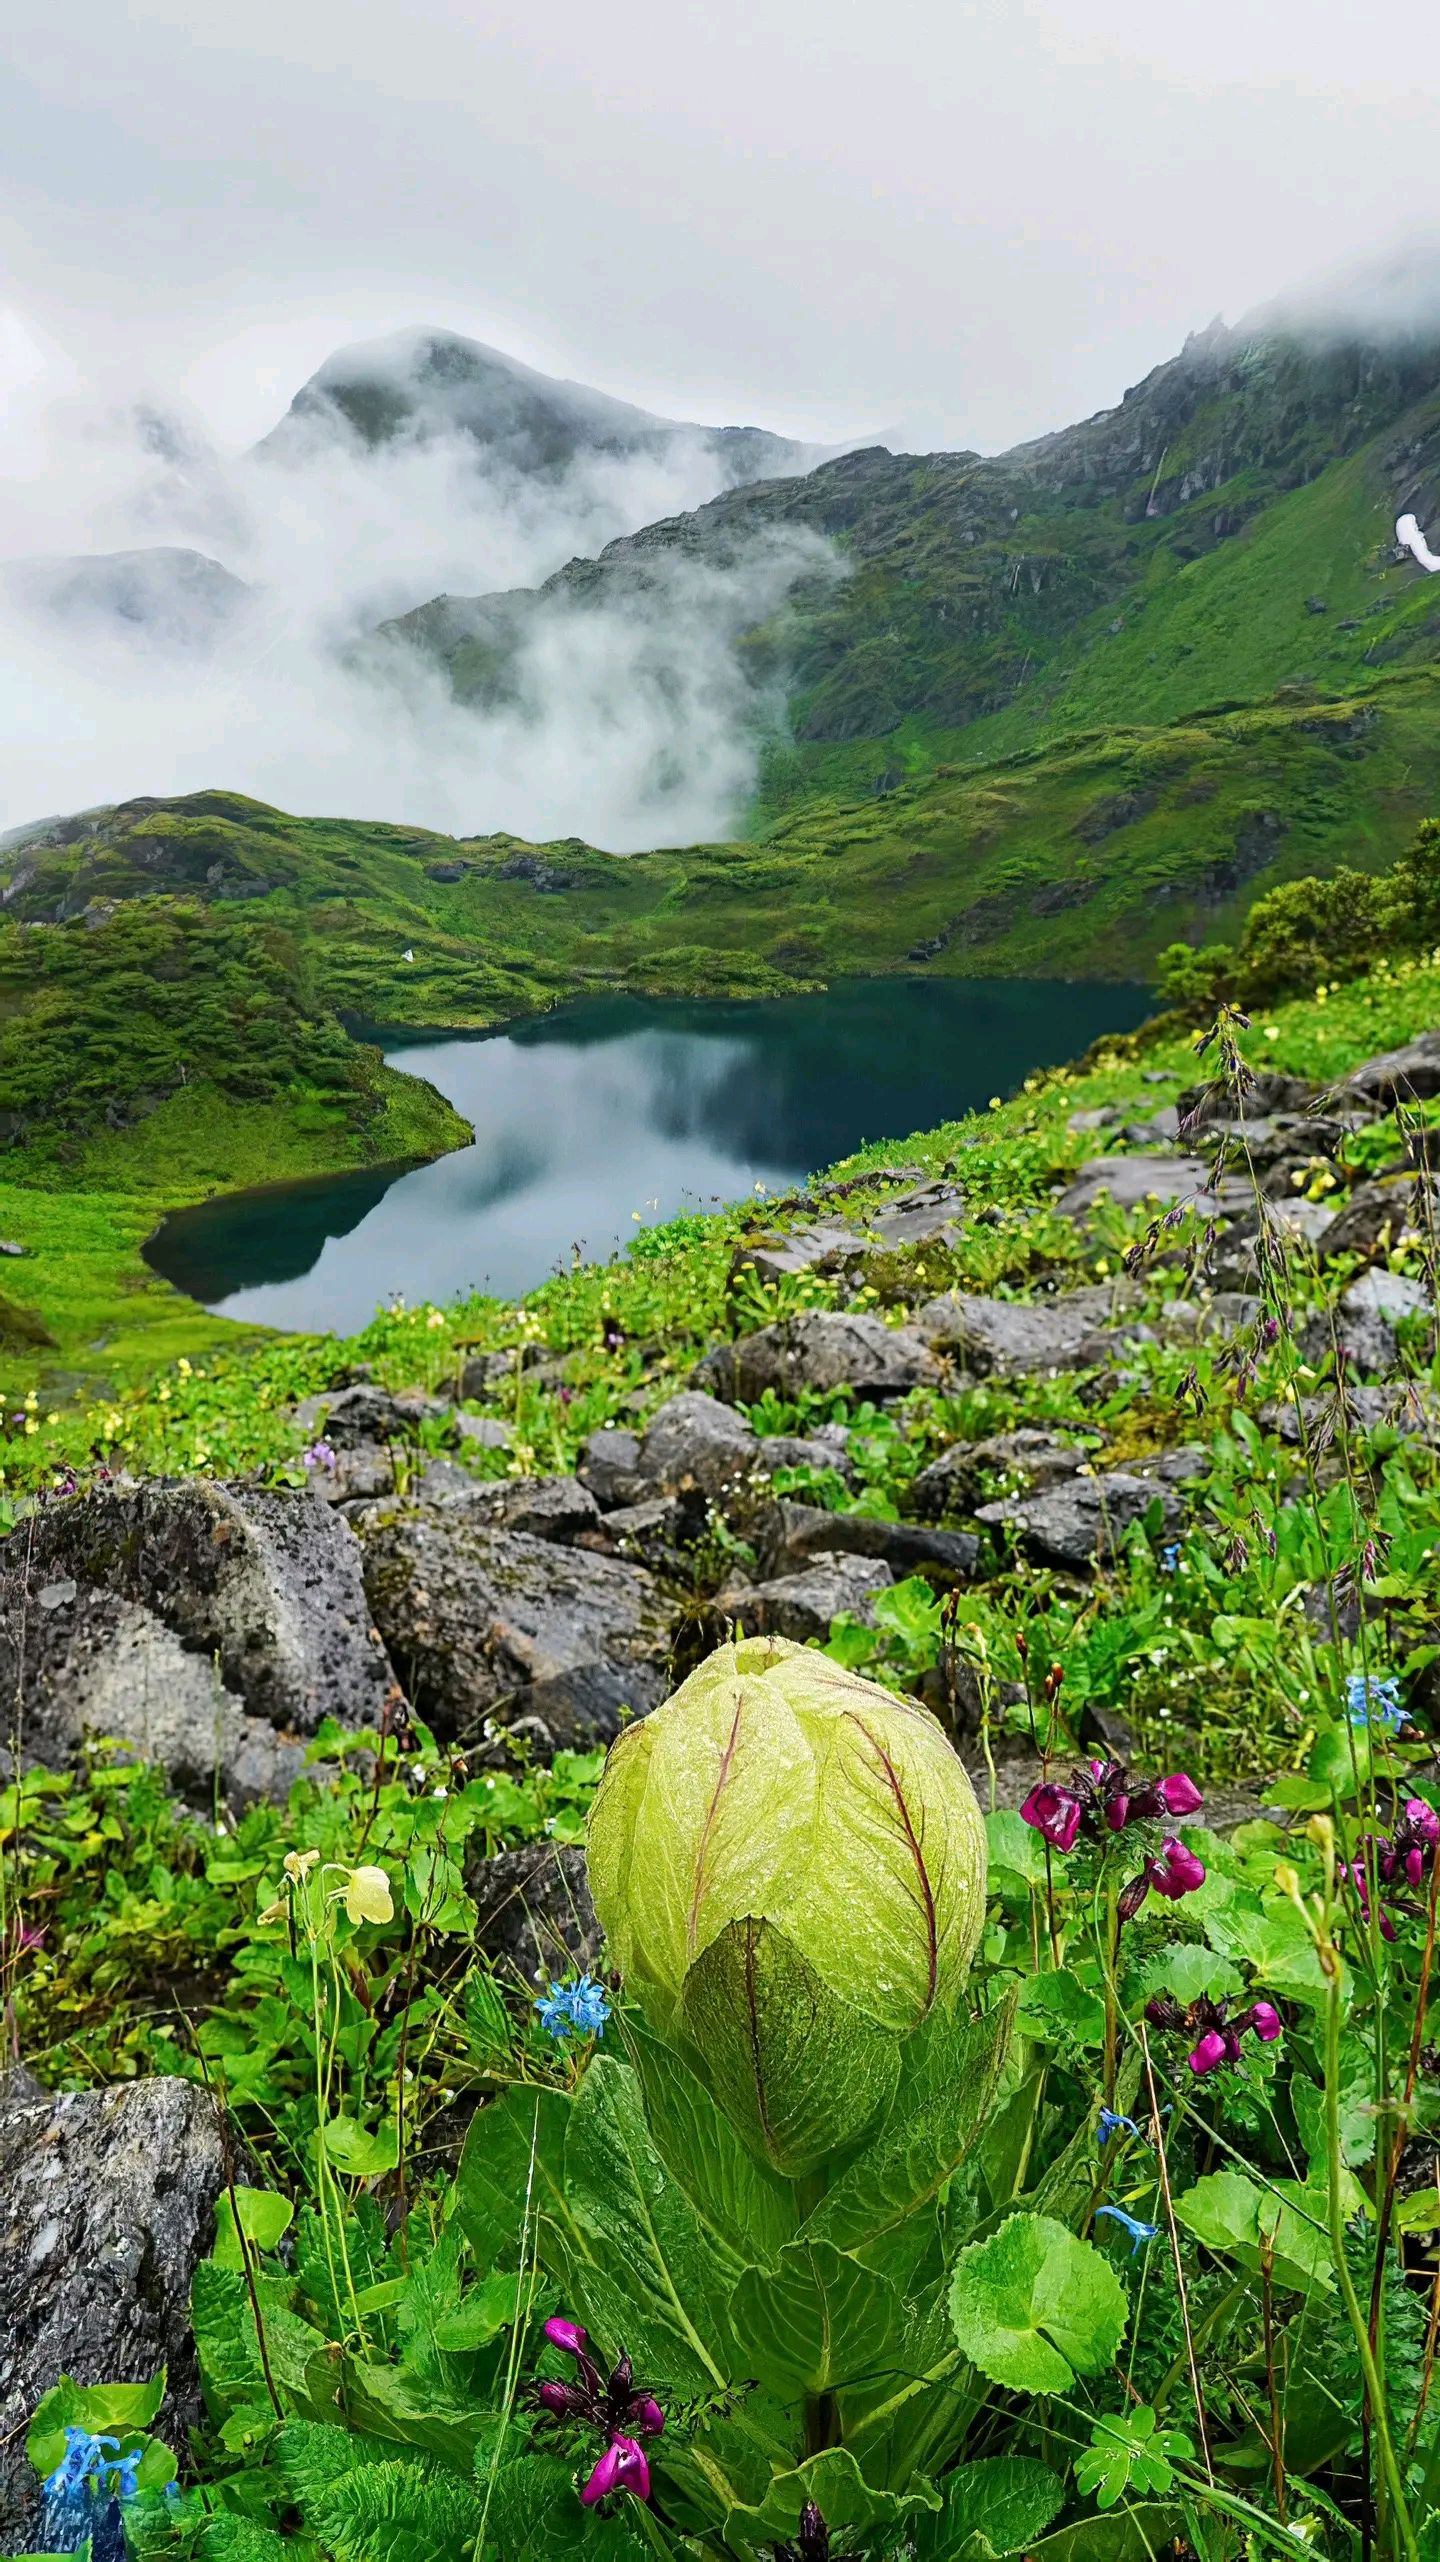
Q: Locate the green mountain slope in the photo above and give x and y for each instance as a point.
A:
(1227, 531)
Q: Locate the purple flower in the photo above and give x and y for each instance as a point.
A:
(1173, 1872)
(319, 1455)
(622, 2467)
(1103, 1798)
(1055, 1812)
(1217, 2035)
(615, 2409)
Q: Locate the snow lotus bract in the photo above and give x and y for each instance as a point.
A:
(789, 1866)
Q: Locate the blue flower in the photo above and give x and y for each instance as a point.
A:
(581, 2006)
(83, 2493)
(86, 2461)
(1373, 1701)
(1139, 2233)
(1170, 1557)
(1110, 2123)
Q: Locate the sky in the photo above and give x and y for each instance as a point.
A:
(940, 222)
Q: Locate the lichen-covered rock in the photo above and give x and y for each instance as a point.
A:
(485, 1623)
(956, 1480)
(609, 1467)
(788, 1534)
(695, 1441)
(264, 1585)
(804, 1605)
(1012, 1338)
(534, 1917)
(1089, 1518)
(107, 2204)
(822, 1349)
(557, 1508)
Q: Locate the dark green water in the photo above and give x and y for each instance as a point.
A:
(587, 1116)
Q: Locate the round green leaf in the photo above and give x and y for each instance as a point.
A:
(1032, 2306)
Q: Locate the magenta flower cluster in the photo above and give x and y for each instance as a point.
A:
(1402, 1858)
(622, 2414)
(1105, 1798)
(1216, 2030)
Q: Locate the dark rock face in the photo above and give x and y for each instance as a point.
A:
(535, 1917)
(823, 1350)
(1089, 1518)
(489, 1623)
(788, 1534)
(609, 1467)
(695, 1441)
(107, 2204)
(558, 1508)
(1204, 1106)
(1009, 1338)
(955, 1481)
(802, 1606)
(354, 1418)
(116, 1608)
(1362, 1324)
(1131, 1181)
(1377, 1215)
(1407, 1075)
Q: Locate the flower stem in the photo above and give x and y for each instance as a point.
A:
(1355, 2314)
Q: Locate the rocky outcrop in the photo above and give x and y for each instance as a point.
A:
(804, 1606)
(493, 1625)
(1087, 1519)
(1011, 1338)
(107, 2204)
(534, 1916)
(208, 1626)
(823, 1350)
(787, 1535)
(1033, 1458)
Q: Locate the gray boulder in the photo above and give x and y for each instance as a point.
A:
(1269, 1090)
(1137, 1182)
(823, 1350)
(655, 1534)
(787, 1535)
(557, 1508)
(1362, 1323)
(928, 1216)
(88, 1664)
(1102, 1116)
(695, 1441)
(827, 1247)
(496, 1624)
(266, 1584)
(1088, 1518)
(955, 1481)
(1410, 1074)
(1011, 1338)
(609, 1467)
(805, 1605)
(534, 1916)
(359, 1417)
(1378, 1215)
(107, 2205)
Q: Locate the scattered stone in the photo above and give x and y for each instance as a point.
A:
(788, 1450)
(9, 1246)
(496, 1624)
(1103, 1116)
(483, 1374)
(1269, 1090)
(823, 1350)
(805, 1605)
(1087, 1519)
(362, 1417)
(655, 1534)
(928, 1216)
(695, 1441)
(534, 1916)
(1130, 1182)
(955, 1481)
(265, 1583)
(1390, 1295)
(107, 2205)
(1012, 1338)
(609, 1465)
(1410, 1074)
(787, 1535)
(1378, 1215)
(827, 1248)
(483, 1431)
(558, 1508)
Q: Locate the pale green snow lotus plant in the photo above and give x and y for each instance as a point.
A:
(789, 1866)
(793, 2209)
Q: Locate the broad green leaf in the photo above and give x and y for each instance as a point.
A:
(748, 2210)
(1128, 2451)
(118, 2409)
(495, 2305)
(994, 2507)
(818, 2321)
(1014, 1846)
(358, 2152)
(512, 2173)
(834, 2481)
(800, 2072)
(1059, 2009)
(1141, 2534)
(1274, 1941)
(1188, 1970)
(411, 2411)
(400, 2512)
(265, 2218)
(1033, 2306)
(655, 2286)
(950, 2073)
(1228, 2212)
(1358, 2118)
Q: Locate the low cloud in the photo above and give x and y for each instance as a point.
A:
(628, 726)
